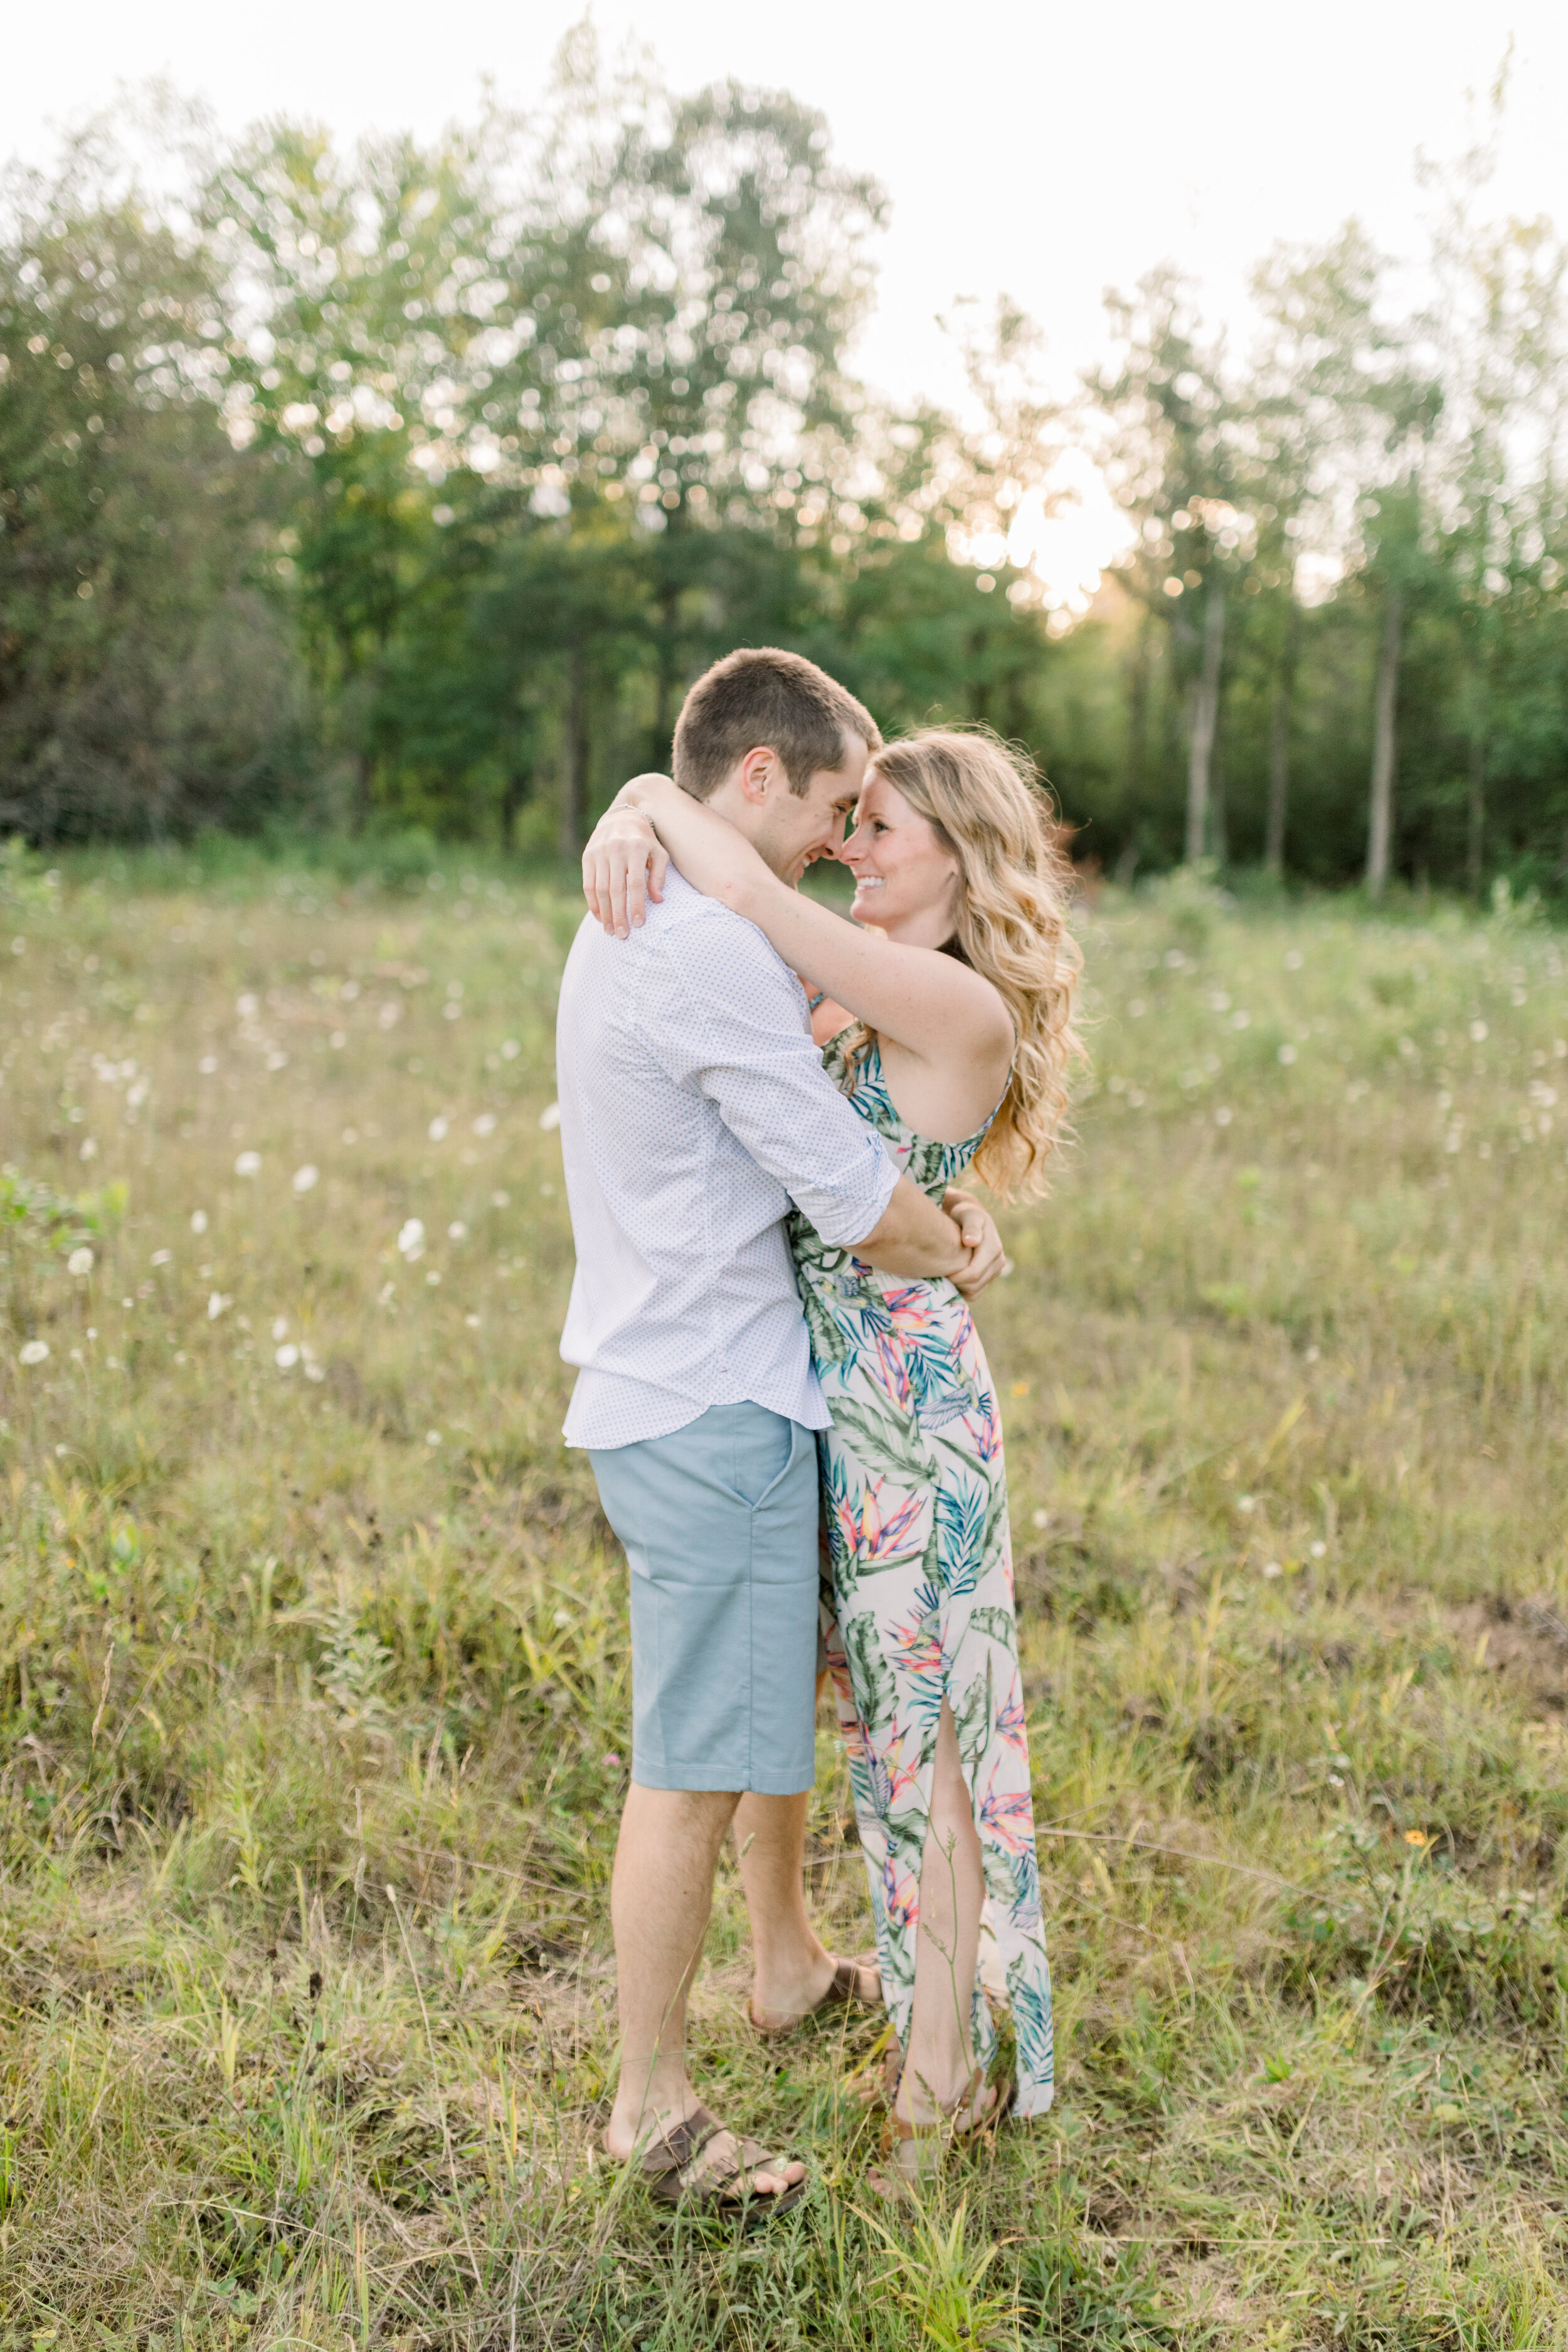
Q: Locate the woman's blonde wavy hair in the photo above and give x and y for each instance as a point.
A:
(984, 801)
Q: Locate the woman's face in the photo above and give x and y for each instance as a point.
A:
(906, 879)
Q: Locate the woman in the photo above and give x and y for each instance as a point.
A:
(949, 1026)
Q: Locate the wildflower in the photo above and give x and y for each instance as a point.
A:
(411, 1239)
(500, 1199)
(88, 1149)
(1318, 1551)
(280, 1327)
(1287, 1054)
(509, 1049)
(160, 1257)
(79, 1261)
(1245, 1503)
(248, 1007)
(1293, 959)
(612, 1761)
(247, 1164)
(1223, 1116)
(390, 1015)
(286, 1358)
(1479, 1033)
(486, 1123)
(338, 1040)
(217, 1305)
(306, 1177)
(438, 1130)
(1416, 1837)
(550, 1117)
(198, 1221)
(207, 1065)
(456, 1230)
(1272, 1568)
(35, 1351)
(432, 1437)
(472, 1321)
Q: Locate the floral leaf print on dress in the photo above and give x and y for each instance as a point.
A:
(921, 1609)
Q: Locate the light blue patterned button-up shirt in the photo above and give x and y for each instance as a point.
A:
(694, 1108)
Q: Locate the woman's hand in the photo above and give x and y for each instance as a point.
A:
(987, 1259)
(623, 864)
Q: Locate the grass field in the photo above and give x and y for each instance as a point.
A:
(313, 1662)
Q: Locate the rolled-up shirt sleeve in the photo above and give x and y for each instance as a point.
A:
(723, 1015)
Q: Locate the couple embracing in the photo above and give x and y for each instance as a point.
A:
(764, 1112)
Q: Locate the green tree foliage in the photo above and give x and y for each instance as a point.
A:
(142, 679)
(411, 485)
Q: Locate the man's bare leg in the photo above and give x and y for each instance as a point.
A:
(660, 1896)
(792, 1966)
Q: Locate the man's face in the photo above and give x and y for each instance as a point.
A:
(793, 829)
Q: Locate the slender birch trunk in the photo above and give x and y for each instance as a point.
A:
(1384, 749)
(1203, 723)
(574, 756)
(1136, 771)
(1476, 842)
(1279, 746)
(664, 679)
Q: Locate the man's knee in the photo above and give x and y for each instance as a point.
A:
(680, 1814)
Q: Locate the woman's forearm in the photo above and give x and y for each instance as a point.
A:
(710, 853)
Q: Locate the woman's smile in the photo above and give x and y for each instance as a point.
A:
(918, 870)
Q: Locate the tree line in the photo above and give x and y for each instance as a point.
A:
(411, 486)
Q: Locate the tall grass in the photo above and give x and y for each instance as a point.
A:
(313, 1676)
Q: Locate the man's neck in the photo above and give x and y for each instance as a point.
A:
(729, 802)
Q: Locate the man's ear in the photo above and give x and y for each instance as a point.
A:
(759, 773)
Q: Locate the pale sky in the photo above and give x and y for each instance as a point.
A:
(1029, 146)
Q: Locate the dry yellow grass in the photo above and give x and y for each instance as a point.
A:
(313, 1676)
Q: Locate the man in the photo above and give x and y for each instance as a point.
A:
(693, 1110)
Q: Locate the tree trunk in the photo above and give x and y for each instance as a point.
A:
(1475, 845)
(575, 757)
(1380, 824)
(1279, 747)
(514, 792)
(1219, 817)
(1135, 787)
(1205, 723)
(363, 777)
(664, 685)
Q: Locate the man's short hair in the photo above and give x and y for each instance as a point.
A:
(763, 695)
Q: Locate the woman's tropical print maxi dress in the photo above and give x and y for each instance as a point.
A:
(915, 1503)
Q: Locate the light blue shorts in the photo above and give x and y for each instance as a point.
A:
(718, 1521)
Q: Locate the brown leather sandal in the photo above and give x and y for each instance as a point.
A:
(724, 2187)
(843, 1992)
(949, 2131)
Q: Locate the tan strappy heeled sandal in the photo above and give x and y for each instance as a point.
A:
(949, 2131)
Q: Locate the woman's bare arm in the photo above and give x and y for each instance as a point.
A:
(931, 1004)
